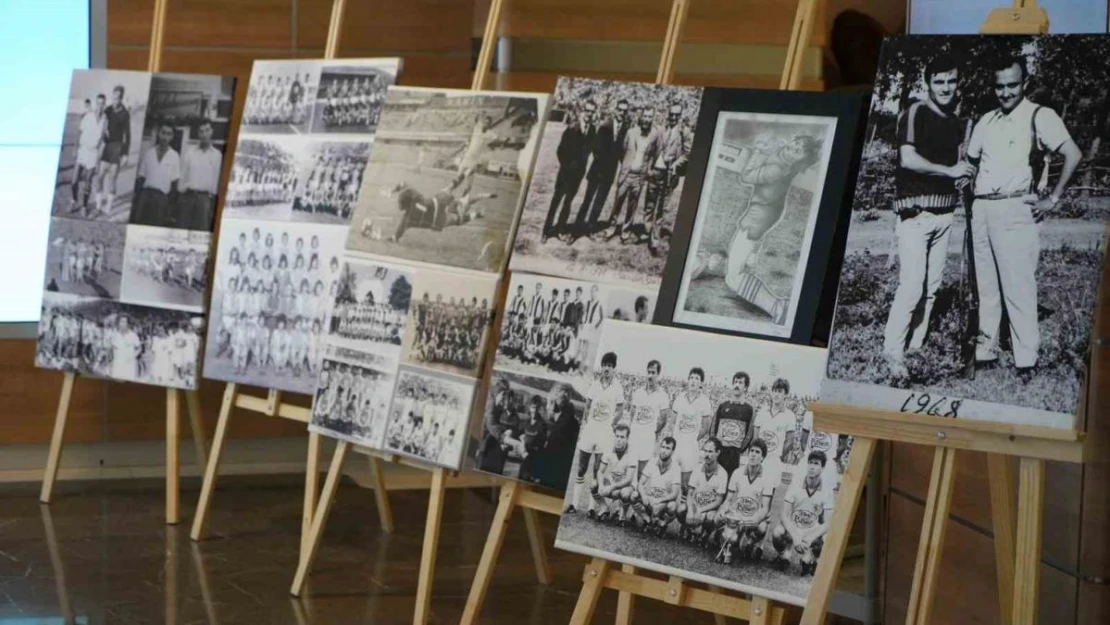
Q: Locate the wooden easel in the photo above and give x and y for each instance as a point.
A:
(439, 475)
(272, 406)
(600, 573)
(173, 399)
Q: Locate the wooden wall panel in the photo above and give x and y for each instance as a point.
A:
(204, 23)
(417, 25)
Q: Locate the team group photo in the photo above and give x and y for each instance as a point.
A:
(166, 267)
(607, 181)
(349, 98)
(446, 175)
(977, 238)
(351, 399)
(429, 415)
(704, 459)
(449, 321)
(371, 307)
(85, 258)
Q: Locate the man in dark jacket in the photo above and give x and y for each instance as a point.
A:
(572, 154)
(608, 151)
(552, 465)
(499, 419)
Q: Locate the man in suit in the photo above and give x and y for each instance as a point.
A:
(670, 149)
(607, 150)
(572, 155)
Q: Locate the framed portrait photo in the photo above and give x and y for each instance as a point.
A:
(762, 213)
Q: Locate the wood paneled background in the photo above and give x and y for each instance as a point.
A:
(436, 39)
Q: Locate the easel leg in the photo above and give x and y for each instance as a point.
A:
(212, 469)
(930, 546)
(57, 565)
(381, 495)
(626, 601)
(173, 459)
(196, 426)
(539, 549)
(431, 547)
(836, 539)
(202, 581)
(719, 619)
(592, 584)
(1027, 552)
(311, 486)
(327, 497)
(761, 611)
(56, 438)
(482, 576)
(1002, 513)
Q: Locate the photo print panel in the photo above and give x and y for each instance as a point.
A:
(108, 339)
(609, 174)
(353, 392)
(274, 286)
(762, 213)
(430, 416)
(697, 457)
(544, 357)
(976, 245)
(449, 321)
(125, 301)
(446, 176)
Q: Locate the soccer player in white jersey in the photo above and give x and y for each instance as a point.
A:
(656, 498)
(615, 479)
(744, 515)
(806, 512)
(693, 415)
(708, 486)
(772, 422)
(647, 416)
(606, 401)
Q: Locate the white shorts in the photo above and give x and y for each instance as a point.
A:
(686, 453)
(88, 157)
(596, 437)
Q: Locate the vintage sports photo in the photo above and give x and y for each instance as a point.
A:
(126, 301)
(697, 457)
(166, 267)
(275, 283)
(977, 238)
(350, 97)
(371, 307)
(760, 212)
(85, 258)
(181, 156)
(107, 339)
(449, 319)
(446, 176)
(352, 398)
(101, 145)
(609, 174)
(429, 416)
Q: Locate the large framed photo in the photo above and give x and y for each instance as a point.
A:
(130, 232)
(609, 174)
(697, 457)
(977, 239)
(761, 214)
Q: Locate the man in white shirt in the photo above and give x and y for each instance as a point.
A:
(806, 512)
(656, 499)
(772, 423)
(200, 179)
(744, 515)
(616, 479)
(606, 403)
(90, 140)
(693, 415)
(708, 485)
(646, 415)
(1008, 208)
(126, 346)
(156, 180)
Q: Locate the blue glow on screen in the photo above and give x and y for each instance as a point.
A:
(41, 43)
(964, 17)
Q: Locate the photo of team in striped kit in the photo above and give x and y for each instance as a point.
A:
(701, 457)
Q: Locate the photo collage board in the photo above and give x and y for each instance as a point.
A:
(418, 286)
(131, 225)
(304, 141)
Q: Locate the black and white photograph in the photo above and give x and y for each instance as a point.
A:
(274, 286)
(696, 457)
(449, 320)
(101, 144)
(608, 178)
(429, 416)
(108, 339)
(166, 267)
(528, 430)
(280, 97)
(352, 397)
(182, 150)
(371, 307)
(446, 176)
(85, 258)
(551, 326)
(976, 245)
(766, 184)
(349, 97)
(296, 179)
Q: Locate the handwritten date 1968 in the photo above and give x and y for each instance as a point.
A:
(925, 404)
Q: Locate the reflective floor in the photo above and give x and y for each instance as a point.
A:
(101, 554)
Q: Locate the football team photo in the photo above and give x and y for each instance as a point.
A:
(449, 320)
(352, 398)
(85, 258)
(371, 307)
(280, 97)
(349, 98)
(429, 416)
(166, 267)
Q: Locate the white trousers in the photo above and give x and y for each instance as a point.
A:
(922, 252)
(1007, 247)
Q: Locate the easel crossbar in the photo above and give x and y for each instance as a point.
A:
(285, 411)
(709, 601)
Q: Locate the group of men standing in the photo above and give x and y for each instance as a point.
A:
(103, 145)
(999, 170)
(178, 190)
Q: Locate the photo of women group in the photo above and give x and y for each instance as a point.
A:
(449, 319)
(429, 416)
(270, 316)
(696, 456)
